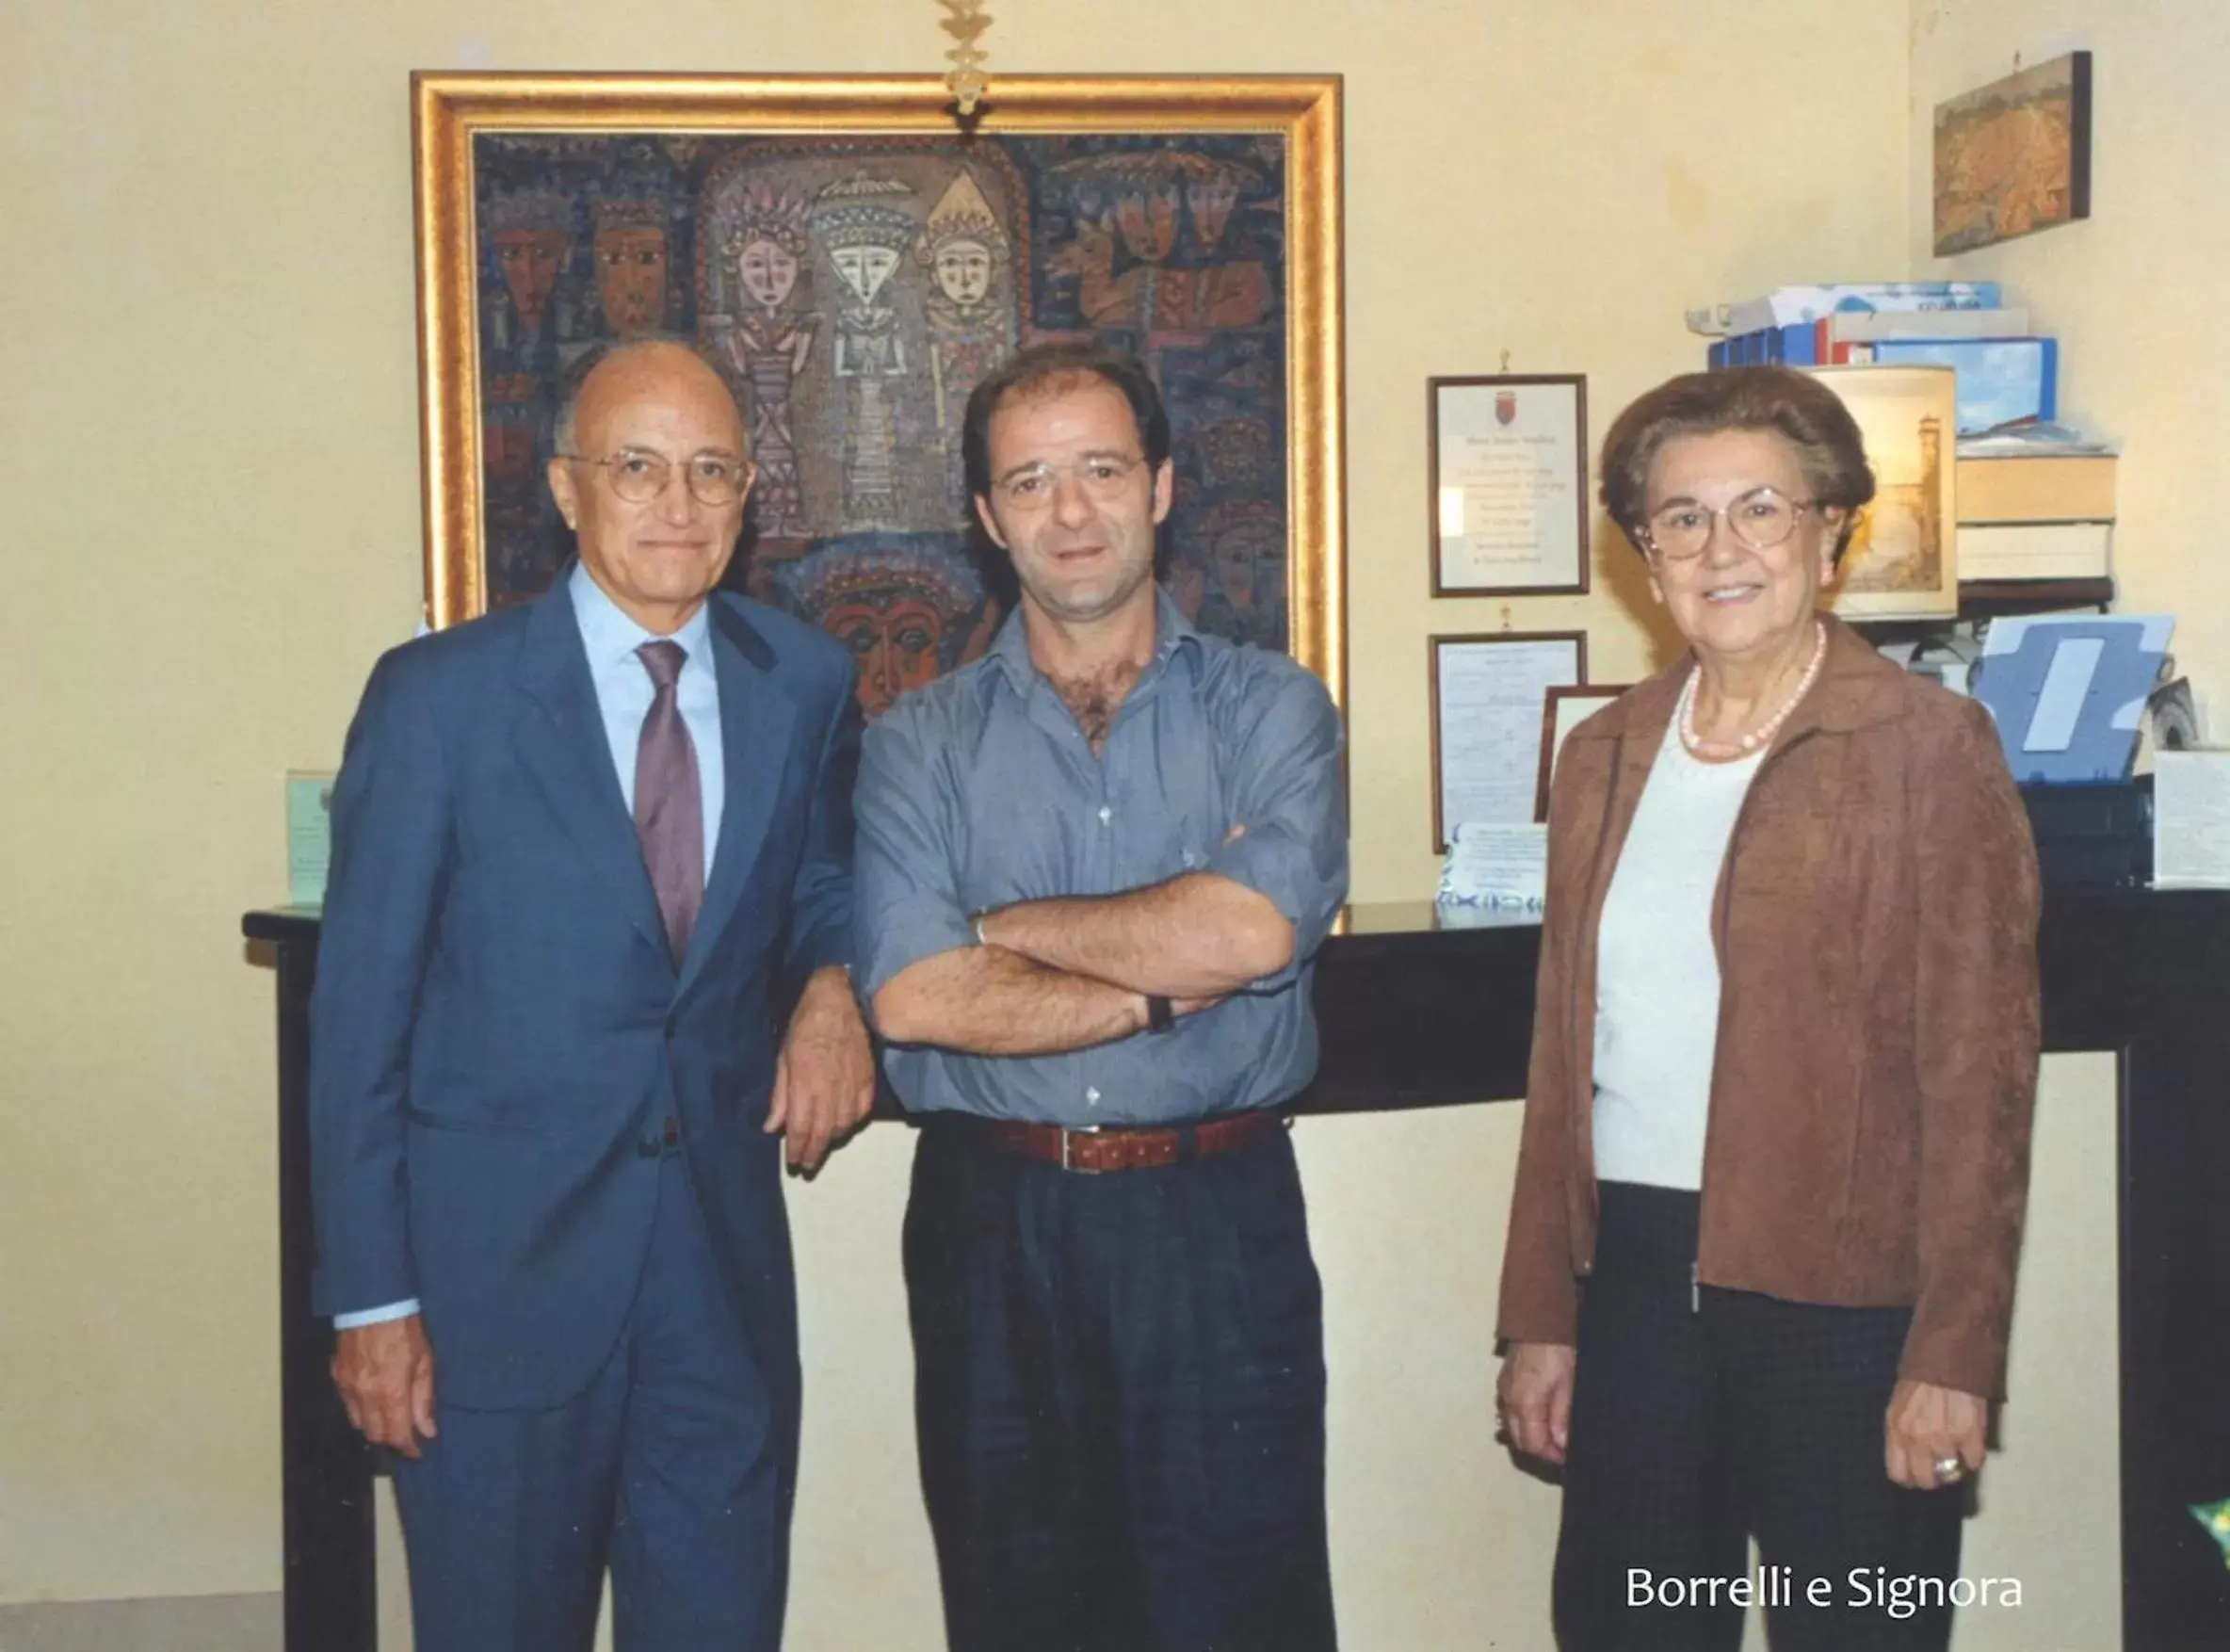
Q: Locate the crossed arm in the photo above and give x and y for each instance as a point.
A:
(1066, 973)
(1052, 975)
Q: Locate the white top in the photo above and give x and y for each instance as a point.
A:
(1656, 977)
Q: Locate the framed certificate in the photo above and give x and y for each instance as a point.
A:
(1509, 485)
(1488, 697)
(1564, 710)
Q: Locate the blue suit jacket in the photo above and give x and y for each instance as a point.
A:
(497, 1023)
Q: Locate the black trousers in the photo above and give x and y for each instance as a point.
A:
(1703, 1416)
(1119, 1401)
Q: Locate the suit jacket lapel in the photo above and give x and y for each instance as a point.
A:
(756, 714)
(562, 743)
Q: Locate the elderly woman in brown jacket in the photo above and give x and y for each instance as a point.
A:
(1761, 1255)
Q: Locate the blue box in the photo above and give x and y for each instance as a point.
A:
(2001, 380)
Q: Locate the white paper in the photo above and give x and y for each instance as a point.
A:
(1509, 506)
(2191, 817)
(1491, 699)
(1494, 865)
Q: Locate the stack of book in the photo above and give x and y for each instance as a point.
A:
(2035, 503)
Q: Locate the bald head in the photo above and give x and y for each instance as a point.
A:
(626, 370)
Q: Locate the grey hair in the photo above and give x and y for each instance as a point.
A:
(577, 372)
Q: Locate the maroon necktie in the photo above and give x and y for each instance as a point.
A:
(668, 805)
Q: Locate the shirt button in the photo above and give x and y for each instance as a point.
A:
(1092, 1097)
(1105, 813)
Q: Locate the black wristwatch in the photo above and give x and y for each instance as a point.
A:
(1159, 1016)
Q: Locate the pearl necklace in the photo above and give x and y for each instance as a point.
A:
(1765, 731)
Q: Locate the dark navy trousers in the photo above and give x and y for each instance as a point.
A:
(1119, 1401)
(1703, 1416)
(670, 1466)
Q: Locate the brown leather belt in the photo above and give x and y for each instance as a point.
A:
(1097, 1151)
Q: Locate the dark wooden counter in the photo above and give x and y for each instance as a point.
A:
(1414, 1014)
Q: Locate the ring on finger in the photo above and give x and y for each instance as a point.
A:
(1949, 1471)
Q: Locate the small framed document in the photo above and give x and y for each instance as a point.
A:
(1509, 485)
(1565, 709)
(309, 835)
(1488, 696)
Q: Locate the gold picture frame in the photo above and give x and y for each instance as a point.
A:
(1299, 116)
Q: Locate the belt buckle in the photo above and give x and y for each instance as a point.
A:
(1071, 1168)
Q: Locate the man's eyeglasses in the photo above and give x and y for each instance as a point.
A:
(1761, 519)
(1103, 477)
(715, 479)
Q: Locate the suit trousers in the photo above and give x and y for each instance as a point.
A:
(1700, 1416)
(667, 1468)
(1119, 1401)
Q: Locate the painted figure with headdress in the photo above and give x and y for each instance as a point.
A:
(631, 256)
(971, 321)
(1131, 270)
(864, 235)
(767, 342)
(1245, 599)
(909, 607)
(530, 232)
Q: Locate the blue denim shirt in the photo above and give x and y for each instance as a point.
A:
(979, 790)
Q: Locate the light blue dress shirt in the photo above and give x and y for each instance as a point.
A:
(623, 695)
(623, 692)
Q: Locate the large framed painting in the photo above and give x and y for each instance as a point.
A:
(854, 262)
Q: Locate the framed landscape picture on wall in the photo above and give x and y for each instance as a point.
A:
(2014, 157)
(853, 263)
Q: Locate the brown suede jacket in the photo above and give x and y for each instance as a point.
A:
(1875, 922)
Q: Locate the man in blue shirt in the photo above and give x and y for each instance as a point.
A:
(578, 845)
(1094, 868)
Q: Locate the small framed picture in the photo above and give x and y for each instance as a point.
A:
(1488, 695)
(1903, 563)
(2014, 157)
(1566, 708)
(1509, 485)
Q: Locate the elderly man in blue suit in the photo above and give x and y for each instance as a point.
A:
(582, 851)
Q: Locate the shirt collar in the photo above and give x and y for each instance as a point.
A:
(610, 637)
(1010, 650)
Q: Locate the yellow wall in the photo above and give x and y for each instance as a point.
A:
(208, 449)
(2135, 292)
